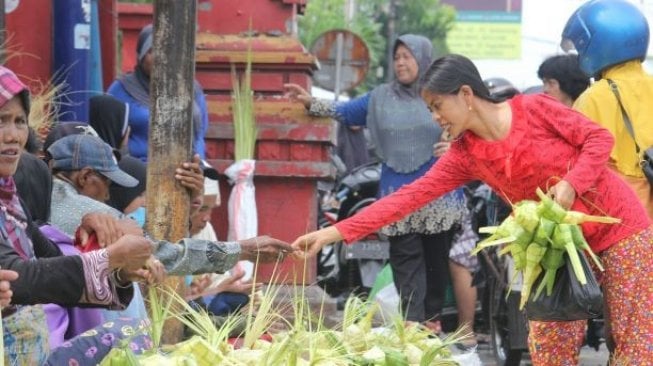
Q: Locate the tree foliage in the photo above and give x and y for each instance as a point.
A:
(429, 18)
(322, 16)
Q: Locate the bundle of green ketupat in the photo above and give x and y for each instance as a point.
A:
(538, 234)
(306, 340)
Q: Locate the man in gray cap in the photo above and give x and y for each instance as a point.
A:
(83, 167)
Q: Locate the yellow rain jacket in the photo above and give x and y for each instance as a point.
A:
(600, 105)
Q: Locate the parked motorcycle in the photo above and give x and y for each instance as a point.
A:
(350, 269)
(508, 326)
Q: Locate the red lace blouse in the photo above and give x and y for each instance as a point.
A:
(547, 141)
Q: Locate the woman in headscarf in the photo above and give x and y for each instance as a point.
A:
(130, 200)
(134, 89)
(404, 136)
(45, 276)
(109, 117)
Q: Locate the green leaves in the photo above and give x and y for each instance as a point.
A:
(243, 112)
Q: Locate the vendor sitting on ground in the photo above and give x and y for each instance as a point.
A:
(222, 294)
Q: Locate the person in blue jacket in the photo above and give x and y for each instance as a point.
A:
(407, 141)
(134, 89)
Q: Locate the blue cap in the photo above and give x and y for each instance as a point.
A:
(76, 152)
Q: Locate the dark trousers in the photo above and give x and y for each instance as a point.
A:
(420, 267)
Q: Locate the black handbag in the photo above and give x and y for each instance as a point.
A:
(646, 158)
(569, 299)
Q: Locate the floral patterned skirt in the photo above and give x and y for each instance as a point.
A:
(25, 335)
(464, 241)
(90, 347)
(628, 288)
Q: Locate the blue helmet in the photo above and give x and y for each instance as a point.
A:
(606, 33)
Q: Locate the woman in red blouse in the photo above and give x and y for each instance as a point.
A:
(516, 146)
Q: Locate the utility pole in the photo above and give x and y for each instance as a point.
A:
(350, 11)
(392, 8)
(171, 129)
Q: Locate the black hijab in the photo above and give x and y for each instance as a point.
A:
(34, 186)
(121, 197)
(108, 117)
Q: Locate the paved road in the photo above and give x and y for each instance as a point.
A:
(588, 356)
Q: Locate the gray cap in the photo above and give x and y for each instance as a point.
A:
(76, 152)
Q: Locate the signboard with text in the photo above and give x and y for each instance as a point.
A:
(489, 29)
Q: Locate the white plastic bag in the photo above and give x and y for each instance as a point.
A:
(385, 293)
(468, 358)
(243, 217)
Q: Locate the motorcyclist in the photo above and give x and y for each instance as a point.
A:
(612, 38)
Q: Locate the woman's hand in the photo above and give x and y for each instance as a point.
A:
(235, 283)
(439, 148)
(105, 226)
(152, 273)
(197, 286)
(563, 193)
(190, 175)
(442, 146)
(5, 287)
(130, 227)
(130, 253)
(264, 249)
(296, 92)
(311, 243)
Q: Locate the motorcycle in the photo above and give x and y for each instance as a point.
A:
(350, 269)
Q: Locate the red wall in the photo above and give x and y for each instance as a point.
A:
(132, 18)
(29, 41)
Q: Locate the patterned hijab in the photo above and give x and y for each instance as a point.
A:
(13, 221)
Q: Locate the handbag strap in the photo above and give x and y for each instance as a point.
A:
(629, 125)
